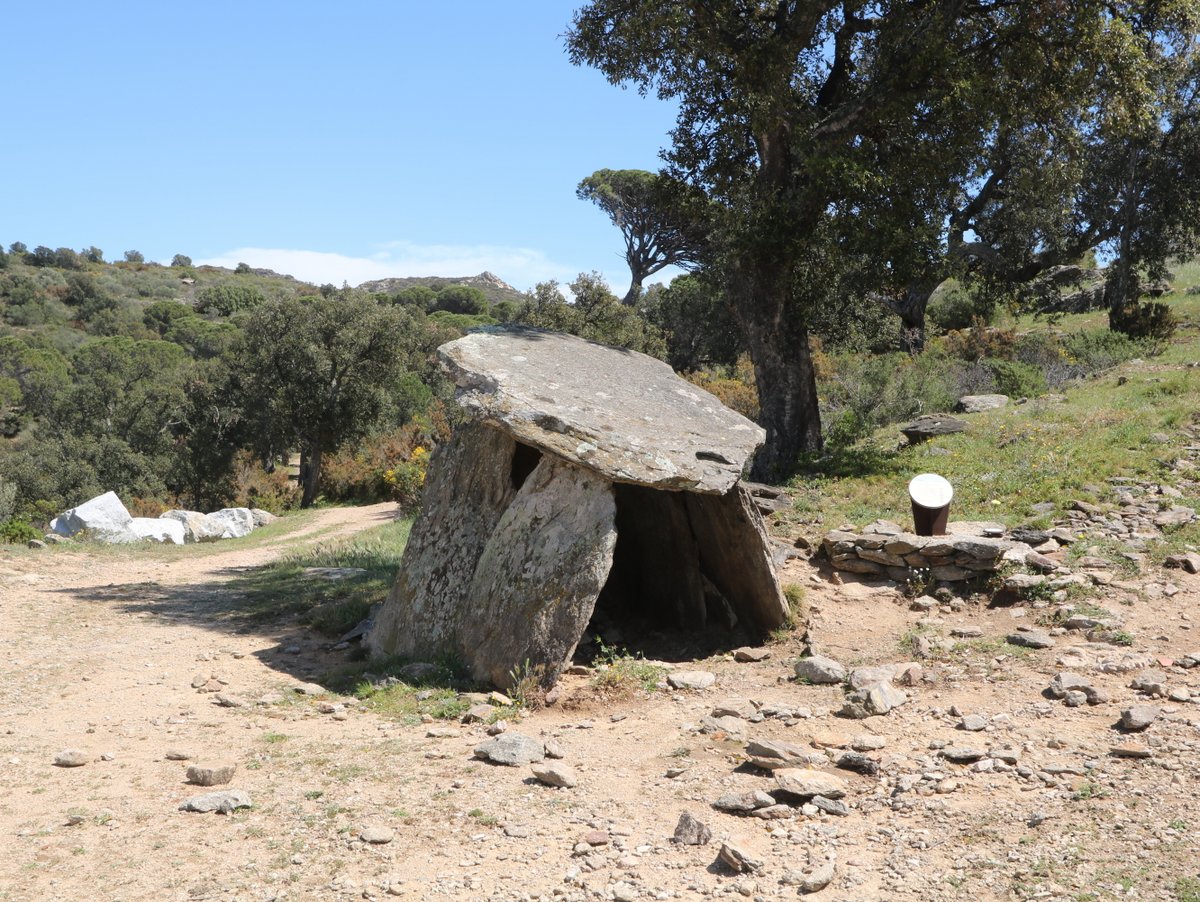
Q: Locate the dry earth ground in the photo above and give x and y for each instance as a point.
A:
(100, 651)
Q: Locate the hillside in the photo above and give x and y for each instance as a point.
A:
(494, 288)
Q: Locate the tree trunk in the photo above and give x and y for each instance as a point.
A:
(634, 292)
(787, 391)
(911, 310)
(1121, 289)
(310, 473)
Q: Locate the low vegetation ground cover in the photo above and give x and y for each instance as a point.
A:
(358, 573)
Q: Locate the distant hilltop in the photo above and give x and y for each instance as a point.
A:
(495, 288)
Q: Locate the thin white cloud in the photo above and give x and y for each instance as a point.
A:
(519, 266)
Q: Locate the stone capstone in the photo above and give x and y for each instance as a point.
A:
(623, 414)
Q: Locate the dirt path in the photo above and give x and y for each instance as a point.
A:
(100, 653)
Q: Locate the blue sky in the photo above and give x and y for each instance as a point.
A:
(335, 142)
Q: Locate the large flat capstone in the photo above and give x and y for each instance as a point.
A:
(623, 414)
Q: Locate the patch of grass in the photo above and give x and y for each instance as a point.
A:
(1014, 457)
(1187, 889)
(621, 673)
(436, 694)
(274, 738)
(330, 606)
(484, 819)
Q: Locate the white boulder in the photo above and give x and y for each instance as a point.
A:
(197, 527)
(234, 522)
(103, 517)
(158, 529)
(262, 517)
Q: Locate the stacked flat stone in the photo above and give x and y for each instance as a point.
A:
(952, 558)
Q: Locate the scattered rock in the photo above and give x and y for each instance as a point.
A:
(1189, 562)
(691, 832)
(691, 679)
(211, 775)
(770, 754)
(820, 671)
(179, 754)
(980, 403)
(924, 428)
(749, 654)
(1139, 717)
(875, 700)
(743, 802)
(376, 835)
(973, 723)
(738, 860)
(1031, 639)
(71, 758)
(962, 754)
(807, 782)
(558, 775)
(223, 802)
(511, 750)
(1130, 750)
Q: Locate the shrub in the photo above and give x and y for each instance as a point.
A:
(225, 300)
(17, 531)
(980, 341)
(951, 308)
(1015, 379)
(733, 386)
(387, 467)
(1149, 320)
(253, 486)
(1101, 349)
(181, 260)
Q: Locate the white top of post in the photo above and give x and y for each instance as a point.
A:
(930, 490)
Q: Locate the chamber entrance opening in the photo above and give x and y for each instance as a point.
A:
(525, 460)
(658, 599)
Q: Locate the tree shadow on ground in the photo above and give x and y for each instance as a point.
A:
(302, 615)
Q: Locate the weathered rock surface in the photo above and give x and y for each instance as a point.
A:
(558, 393)
(554, 774)
(211, 775)
(820, 671)
(223, 802)
(468, 487)
(197, 527)
(234, 522)
(692, 832)
(980, 403)
(806, 782)
(771, 754)
(691, 679)
(71, 758)
(924, 428)
(511, 750)
(103, 518)
(158, 530)
(555, 541)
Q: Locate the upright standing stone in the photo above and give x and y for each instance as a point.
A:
(540, 573)
(468, 488)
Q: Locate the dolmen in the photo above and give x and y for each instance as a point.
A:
(585, 475)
